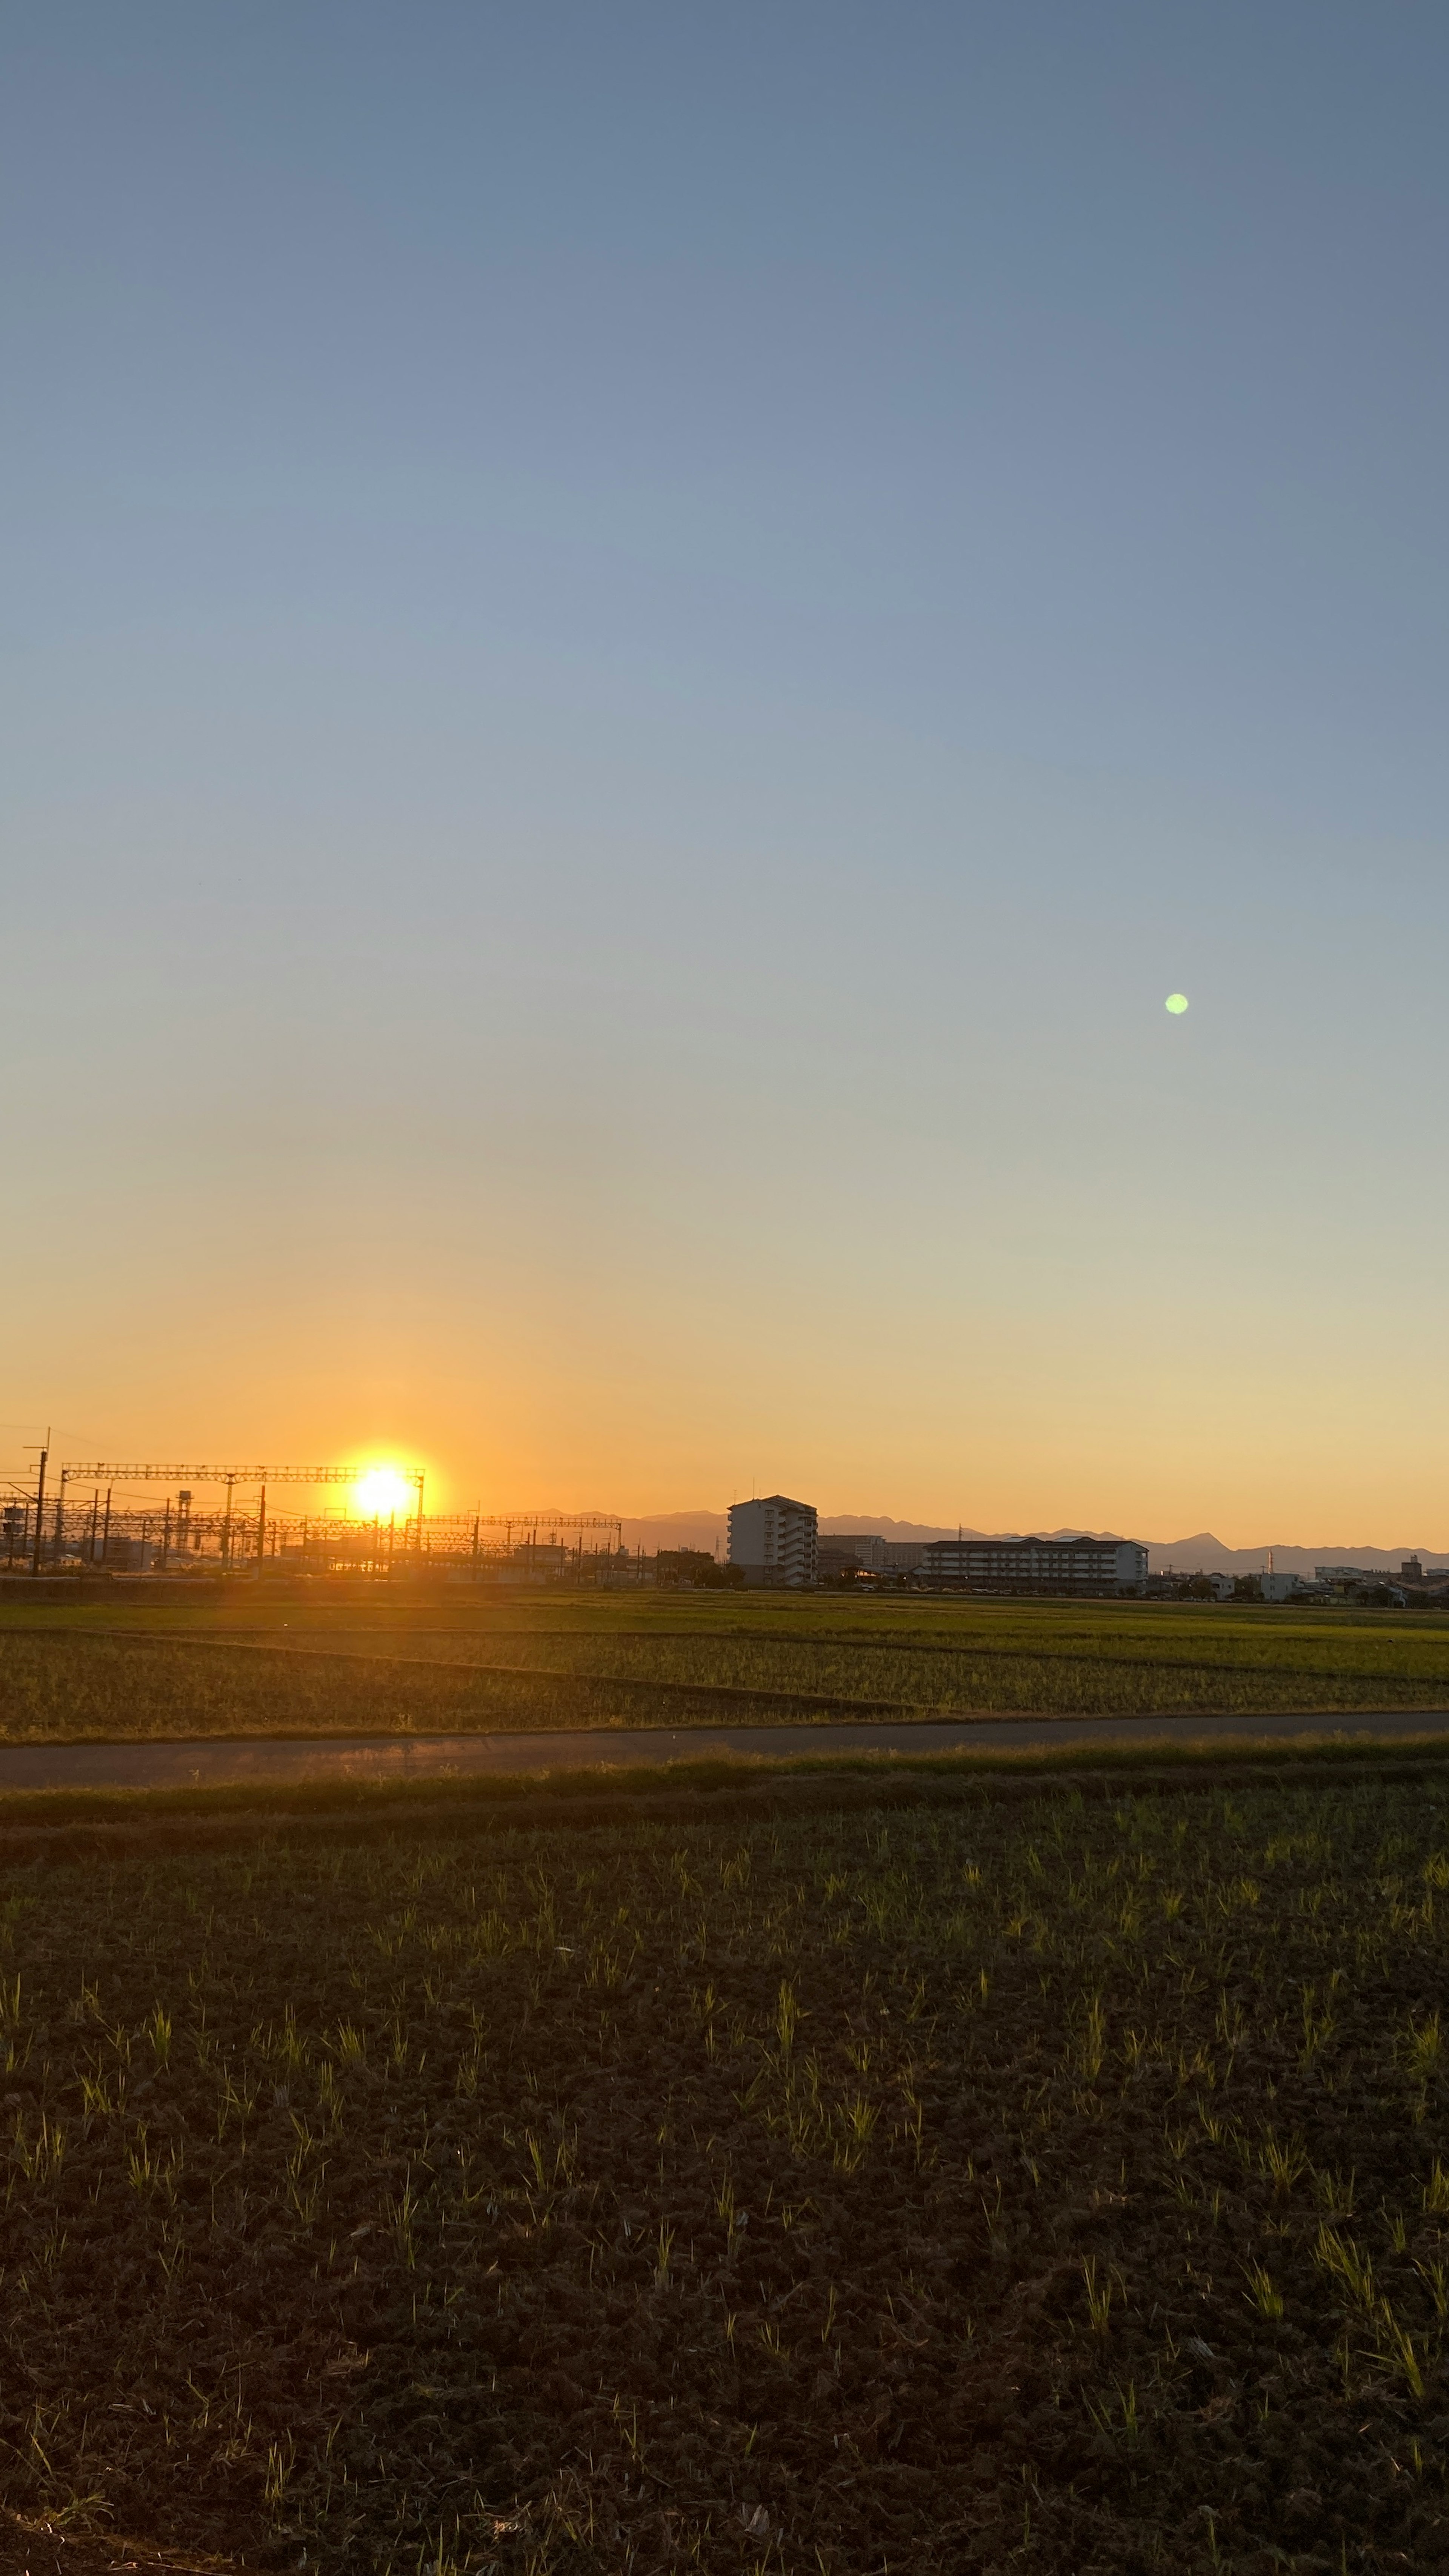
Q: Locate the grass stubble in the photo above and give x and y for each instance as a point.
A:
(255, 1666)
(1057, 2182)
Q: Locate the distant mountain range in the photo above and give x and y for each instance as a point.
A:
(709, 1530)
(1201, 1554)
(1205, 1554)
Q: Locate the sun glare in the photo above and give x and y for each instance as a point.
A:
(382, 1494)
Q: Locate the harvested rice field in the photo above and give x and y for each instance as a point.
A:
(327, 1666)
(1056, 2182)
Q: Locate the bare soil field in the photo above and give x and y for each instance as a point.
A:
(318, 1667)
(1056, 2182)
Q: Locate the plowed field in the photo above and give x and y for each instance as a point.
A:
(1057, 2185)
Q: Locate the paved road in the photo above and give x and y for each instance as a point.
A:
(212, 1762)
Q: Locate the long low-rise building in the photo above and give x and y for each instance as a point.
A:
(1033, 1565)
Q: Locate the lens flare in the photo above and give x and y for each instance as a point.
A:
(1177, 1003)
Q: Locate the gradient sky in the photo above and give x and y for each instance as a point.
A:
(638, 642)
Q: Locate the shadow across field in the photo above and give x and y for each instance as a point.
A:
(330, 1670)
(71, 1821)
(281, 1759)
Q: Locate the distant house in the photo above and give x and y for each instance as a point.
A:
(1368, 1583)
(693, 1569)
(1280, 1587)
(775, 1541)
(859, 1553)
(1172, 1585)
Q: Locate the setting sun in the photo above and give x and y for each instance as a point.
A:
(382, 1493)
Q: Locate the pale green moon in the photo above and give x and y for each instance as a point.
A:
(1177, 1002)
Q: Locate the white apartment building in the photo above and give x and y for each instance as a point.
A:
(1034, 1565)
(774, 1539)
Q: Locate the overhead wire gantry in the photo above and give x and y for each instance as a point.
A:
(240, 1530)
(186, 1476)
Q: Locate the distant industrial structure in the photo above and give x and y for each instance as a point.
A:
(222, 1520)
(775, 1541)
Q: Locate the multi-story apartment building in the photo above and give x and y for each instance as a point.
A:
(1033, 1565)
(836, 1555)
(774, 1540)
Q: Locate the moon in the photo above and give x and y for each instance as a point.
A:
(1177, 1004)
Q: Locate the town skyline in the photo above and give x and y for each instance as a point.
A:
(380, 1473)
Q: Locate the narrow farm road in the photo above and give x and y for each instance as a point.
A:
(227, 1761)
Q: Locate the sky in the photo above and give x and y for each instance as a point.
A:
(637, 645)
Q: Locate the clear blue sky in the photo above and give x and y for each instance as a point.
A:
(638, 642)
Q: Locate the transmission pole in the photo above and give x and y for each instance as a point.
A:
(40, 1509)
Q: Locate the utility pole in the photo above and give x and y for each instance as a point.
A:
(166, 1536)
(95, 1519)
(261, 1529)
(40, 1509)
(106, 1531)
(59, 1521)
(226, 1528)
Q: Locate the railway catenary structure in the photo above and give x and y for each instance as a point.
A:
(241, 1533)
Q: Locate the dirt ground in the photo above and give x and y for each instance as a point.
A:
(1057, 2185)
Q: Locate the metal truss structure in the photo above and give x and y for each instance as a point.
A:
(118, 1472)
(235, 1540)
(246, 1537)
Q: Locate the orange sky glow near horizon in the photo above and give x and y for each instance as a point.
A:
(1042, 1457)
